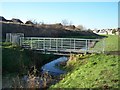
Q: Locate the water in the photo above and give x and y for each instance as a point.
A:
(51, 69)
(37, 81)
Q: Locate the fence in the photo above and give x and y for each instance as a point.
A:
(14, 38)
(62, 44)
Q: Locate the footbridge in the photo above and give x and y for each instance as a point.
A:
(62, 45)
(57, 45)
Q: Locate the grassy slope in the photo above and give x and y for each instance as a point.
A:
(110, 43)
(17, 60)
(93, 71)
(13, 59)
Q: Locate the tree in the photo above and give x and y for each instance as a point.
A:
(41, 23)
(90, 30)
(70, 23)
(34, 21)
(64, 22)
(114, 31)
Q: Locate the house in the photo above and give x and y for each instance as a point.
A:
(95, 31)
(102, 32)
(110, 31)
(118, 31)
(70, 27)
(2, 19)
(29, 22)
(16, 20)
(9, 21)
(107, 32)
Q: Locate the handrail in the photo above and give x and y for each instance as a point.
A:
(58, 38)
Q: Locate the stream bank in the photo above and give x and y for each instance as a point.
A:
(45, 79)
(17, 62)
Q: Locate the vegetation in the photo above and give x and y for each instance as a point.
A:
(110, 43)
(18, 60)
(93, 70)
(18, 63)
(43, 30)
(83, 70)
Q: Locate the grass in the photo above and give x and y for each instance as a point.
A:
(111, 43)
(18, 60)
(91, 71)
(14, 59)
(84, 71)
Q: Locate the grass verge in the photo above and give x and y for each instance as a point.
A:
(91, 71)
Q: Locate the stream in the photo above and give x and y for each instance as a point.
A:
(43, 81)
(51, 69)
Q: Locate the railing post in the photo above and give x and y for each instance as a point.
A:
(10, 37)
(21, 41)
(88, 44)
(50, 43)
(61, 43)
(56, 45)
(74, 44)
(31, 43)
(86, 47)
(70, 45)
(44, 44)
(38, 43)
(103, 46)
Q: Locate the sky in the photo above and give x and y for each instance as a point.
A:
(99, 15)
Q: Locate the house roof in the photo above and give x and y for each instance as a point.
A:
(2, 18)
(16, 20)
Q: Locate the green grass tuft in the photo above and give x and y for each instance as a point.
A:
(97, 71)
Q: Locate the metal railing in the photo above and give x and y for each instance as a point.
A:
(62, 44)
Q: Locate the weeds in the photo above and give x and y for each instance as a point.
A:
(32, 80)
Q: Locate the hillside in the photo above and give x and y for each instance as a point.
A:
(91, 71)
(95, 70)
(111, 44)
(41, 31)
(17, 60)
